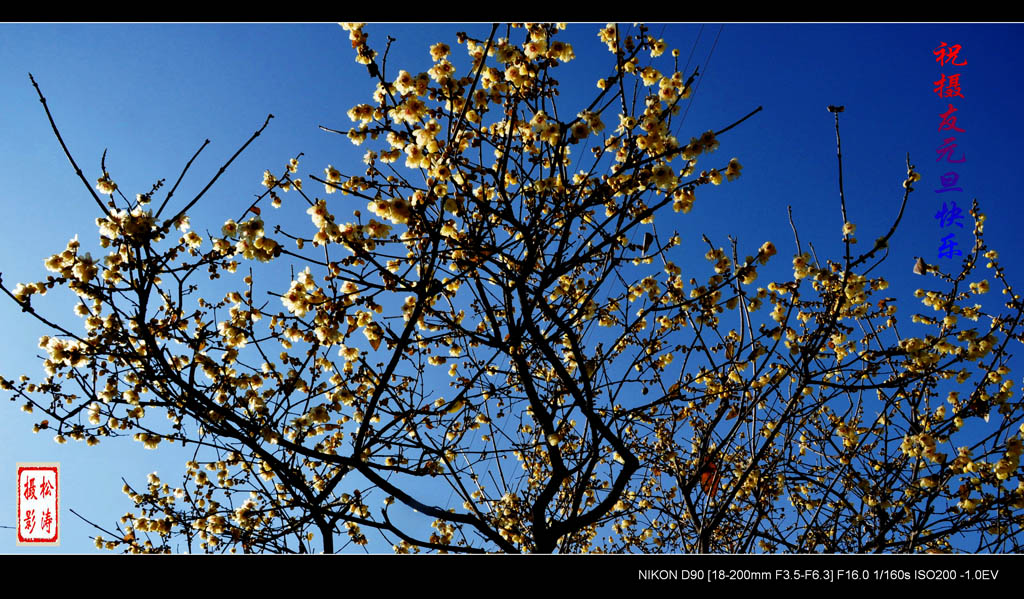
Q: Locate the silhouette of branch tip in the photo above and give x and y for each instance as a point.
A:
(752, 113)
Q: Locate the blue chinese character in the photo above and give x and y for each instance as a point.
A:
(948, 248)
(950, 216)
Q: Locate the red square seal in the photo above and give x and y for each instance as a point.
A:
(38, 504)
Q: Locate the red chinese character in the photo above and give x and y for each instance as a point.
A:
(30, 489)
(947, 54)
(47, 522)
(30, 520)
(947, 151)
(949, 121)
(45, 488)
(950, 88)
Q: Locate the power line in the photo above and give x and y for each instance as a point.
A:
(703, 73)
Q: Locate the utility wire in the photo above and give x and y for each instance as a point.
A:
(703, 72)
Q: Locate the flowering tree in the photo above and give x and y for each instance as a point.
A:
(505, 324)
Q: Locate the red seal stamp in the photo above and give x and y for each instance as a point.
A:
(39, 504)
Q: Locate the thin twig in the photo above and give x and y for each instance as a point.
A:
(842, 195)
(180, 177)
(795, 234)
(67, 152)
(839, 156)
(329, 130)
(26, 306)
(222, 169)
(94, 525)
(752, 113)
(817, 263)
(469, 95)
(883, 242)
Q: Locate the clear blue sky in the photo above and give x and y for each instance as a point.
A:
(151, 94)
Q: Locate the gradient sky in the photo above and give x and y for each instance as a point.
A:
(151, 93)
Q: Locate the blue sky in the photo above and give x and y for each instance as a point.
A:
(151, 93)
